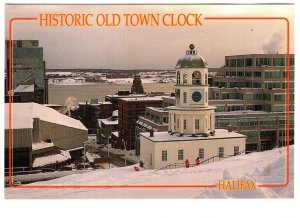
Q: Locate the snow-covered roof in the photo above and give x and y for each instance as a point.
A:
(159, 109)
(115, 134)
(41, 145)
(91, 156)
(156, 98)
(99, 122)
(24, 88)
(75, 149)
(99, 103)
(23, 114)
(167, 137)
(51, 159)
(127, 96)
(110, 122)
(115, 113)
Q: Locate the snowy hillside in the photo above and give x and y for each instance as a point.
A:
(264, 167)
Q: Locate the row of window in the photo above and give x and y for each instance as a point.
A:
(268, 85)
(180, 153)
(262, 121)
(267, 74)
(258, 62)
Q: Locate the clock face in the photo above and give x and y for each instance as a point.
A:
(197, 96)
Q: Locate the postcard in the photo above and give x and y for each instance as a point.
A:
(157, 101)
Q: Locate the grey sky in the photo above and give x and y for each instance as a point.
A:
(152, 47)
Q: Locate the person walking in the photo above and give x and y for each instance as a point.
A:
(197, 161)
(187, 163)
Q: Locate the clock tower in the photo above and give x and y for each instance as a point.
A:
(191, 114)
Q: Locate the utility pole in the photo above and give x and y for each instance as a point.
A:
(108, 150)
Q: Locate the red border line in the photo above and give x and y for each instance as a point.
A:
(287, 106)
(10, 100)
(118, 186)
(145, 186)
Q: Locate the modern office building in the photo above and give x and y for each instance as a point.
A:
(28, 68)
(254, 82)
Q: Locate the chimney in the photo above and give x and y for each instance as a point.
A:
(151, 133)
(229, 127)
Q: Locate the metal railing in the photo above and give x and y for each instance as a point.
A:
(206, 161)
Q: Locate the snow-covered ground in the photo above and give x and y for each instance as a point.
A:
(264, 167)
(79, 78)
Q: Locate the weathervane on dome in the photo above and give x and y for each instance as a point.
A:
(192, 51)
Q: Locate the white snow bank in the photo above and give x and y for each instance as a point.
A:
(264, 167)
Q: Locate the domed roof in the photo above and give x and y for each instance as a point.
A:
(191, 60)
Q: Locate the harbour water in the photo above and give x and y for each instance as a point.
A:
(59, 93)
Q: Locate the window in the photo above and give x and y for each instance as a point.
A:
(257, 74)
(178, 78)
(240, 62)
(263, 61)
(196, 78)
(177, 123)
(240, 73)
(272, 74)
(177, 95)
(164, 155)
(278, 61)
(256, 85)
(197, 124)
(180, 154)
(272, 85)
(201, 153)
(206, 79)
(185, 78)
(227, 63)
(279, 97)
(236, 150)
(206, 97)
(248, 74)
(248, 62)
(233, 63)
(292, 61)
(221, 151)
(184, 97)
(184, 124)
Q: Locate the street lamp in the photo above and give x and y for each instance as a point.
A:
(124, 144)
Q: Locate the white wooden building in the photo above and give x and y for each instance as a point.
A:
(191, 131)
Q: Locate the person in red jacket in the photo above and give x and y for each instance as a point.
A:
(187, 163)
(197, 161)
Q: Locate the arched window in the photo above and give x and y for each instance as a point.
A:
(196, 78)
(184, 78)
(178, 78)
